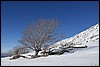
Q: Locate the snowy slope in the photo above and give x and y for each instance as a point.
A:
(89, 35)
(82, 57)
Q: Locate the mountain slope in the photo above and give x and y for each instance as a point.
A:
(89, 35)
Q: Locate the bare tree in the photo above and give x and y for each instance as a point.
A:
(19, 50)
(16, 51)
(40, 33)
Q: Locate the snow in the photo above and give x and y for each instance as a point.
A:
(81, 57)
(79, 45)
(88, 35)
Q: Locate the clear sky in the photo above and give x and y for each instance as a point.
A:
(75, 16)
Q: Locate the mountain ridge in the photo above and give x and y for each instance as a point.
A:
(89, 35)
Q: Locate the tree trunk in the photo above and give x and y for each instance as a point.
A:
(36, 53)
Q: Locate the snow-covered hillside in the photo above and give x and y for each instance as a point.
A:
(89, 35)
(81, 57)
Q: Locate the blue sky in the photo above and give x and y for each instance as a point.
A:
(75, 16)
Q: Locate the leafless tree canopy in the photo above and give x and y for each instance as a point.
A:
(43, 32)
(17, 50)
